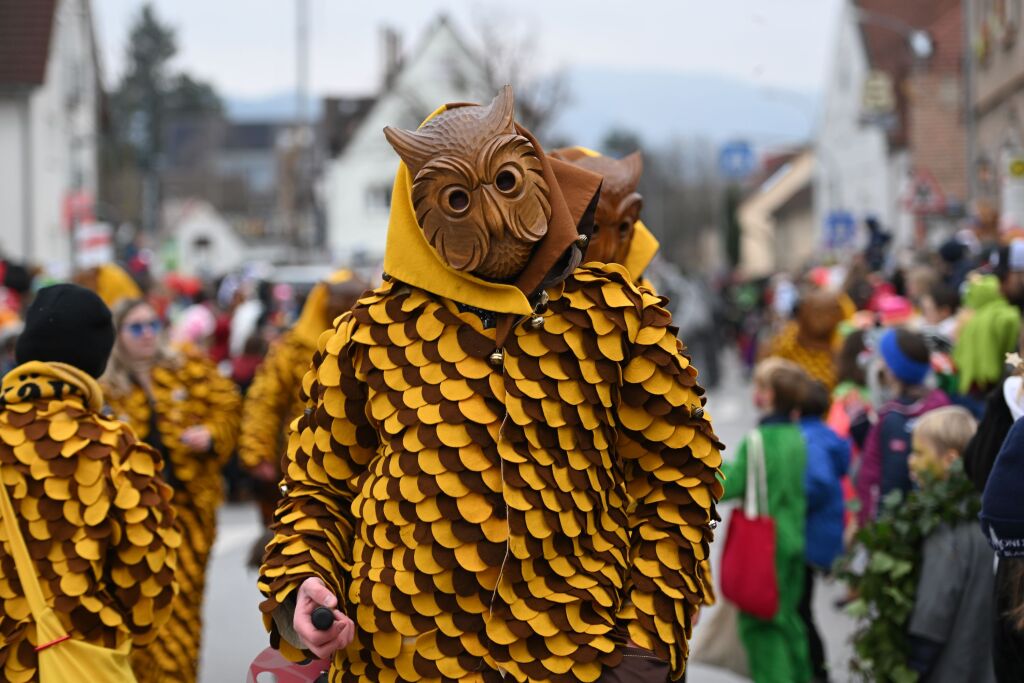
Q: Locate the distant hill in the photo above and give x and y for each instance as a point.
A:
(658, 105)
(277, 107)
(663, 105)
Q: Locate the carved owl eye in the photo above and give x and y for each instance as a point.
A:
(455, 200)
(509, 180)
(624, 227)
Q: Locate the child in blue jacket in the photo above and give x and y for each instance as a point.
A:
(828, 459)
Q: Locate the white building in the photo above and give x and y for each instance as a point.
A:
(852, 175)
(50, 99)
(199, 240)
(357, 183)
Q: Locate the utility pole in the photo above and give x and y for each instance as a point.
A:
(970, 122)
(300, 137)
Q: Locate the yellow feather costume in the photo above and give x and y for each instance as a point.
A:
(186, 394)
(95, 515)
(475, 519)
(274, 398)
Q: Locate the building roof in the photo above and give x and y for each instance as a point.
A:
(341, 119)
(25, 30)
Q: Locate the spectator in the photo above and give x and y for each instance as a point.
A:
(884, 463)
(828, 459)
(809, 340)
(939, 308)
(777, 648)
(990, 334)
(951, 623)
(1004, 406)
(104, 552)
(1002, 518)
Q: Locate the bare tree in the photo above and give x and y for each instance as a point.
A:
(507, 51)
(681, 191)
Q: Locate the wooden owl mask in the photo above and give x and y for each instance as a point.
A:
(618, 209)
(478, 189)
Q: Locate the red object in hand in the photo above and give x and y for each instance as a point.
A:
(271, 661)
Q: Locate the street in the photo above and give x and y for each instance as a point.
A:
(234, 632)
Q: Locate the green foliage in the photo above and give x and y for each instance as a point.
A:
(886, 584)
(150, 91)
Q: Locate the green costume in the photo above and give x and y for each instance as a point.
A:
(987, 337)
(777, 649)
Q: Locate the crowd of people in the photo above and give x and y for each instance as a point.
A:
(883, 389)
(494, 462)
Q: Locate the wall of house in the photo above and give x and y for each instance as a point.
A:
(12, 189)
(850, 174)
(357, 185)
(998, 93)
(64, 122)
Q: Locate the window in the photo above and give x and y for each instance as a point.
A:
(378, 197)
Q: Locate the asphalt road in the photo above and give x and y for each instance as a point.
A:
(233, 629)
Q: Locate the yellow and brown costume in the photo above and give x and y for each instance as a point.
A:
(477, 512)
(187, 392)
(621, 237)
(95, 515)
(111, 282)
(274, 399)
(811, 340)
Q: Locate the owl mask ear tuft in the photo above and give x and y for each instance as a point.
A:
(414, 148)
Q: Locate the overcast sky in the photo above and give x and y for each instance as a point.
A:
(247, 47)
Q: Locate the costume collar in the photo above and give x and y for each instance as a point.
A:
(38, 381)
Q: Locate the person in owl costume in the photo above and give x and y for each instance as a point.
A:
(811, 339)
(95, 516)
(504, 471)
(274, 399)
(619, 236)
(186, 410)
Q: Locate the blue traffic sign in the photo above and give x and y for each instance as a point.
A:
(840, 229)
(736, 160)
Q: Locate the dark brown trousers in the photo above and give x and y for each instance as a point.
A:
(638, 666)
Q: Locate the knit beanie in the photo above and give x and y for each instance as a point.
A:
(894, 347)
(1002, 506)
(67, 324)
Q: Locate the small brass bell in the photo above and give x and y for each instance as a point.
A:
(537, 322)
(497, 357)
(713, 524)
(697, 413)
(581, 241)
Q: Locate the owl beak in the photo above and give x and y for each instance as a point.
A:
(494, 220)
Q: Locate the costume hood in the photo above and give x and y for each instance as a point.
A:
(409, 258)
(312, 321)
(114, 285)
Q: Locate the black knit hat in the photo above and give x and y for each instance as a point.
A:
(1002, 506)
(67, 324)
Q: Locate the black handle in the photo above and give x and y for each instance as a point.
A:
(322, 618)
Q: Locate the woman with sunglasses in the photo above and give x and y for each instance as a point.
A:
(179, 404)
